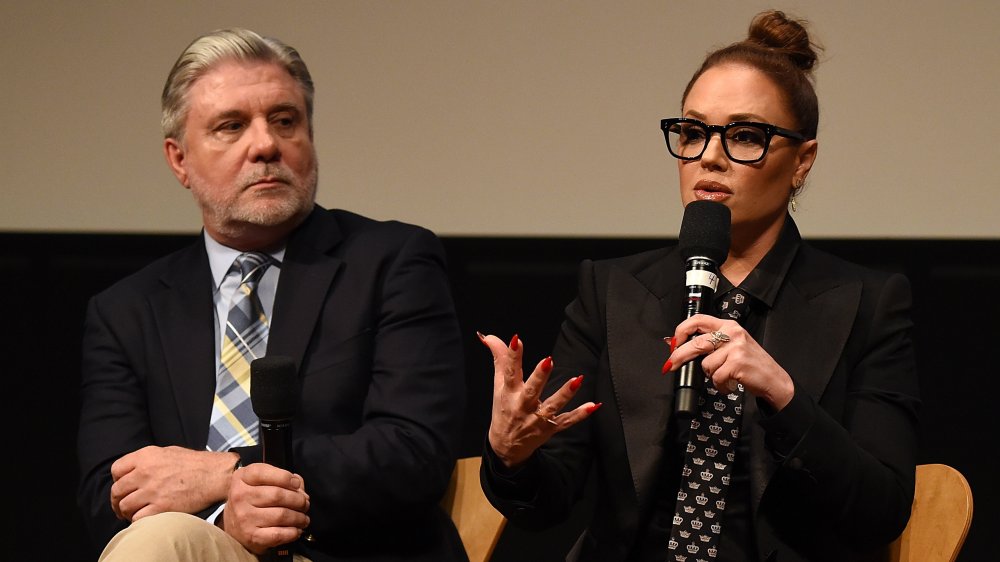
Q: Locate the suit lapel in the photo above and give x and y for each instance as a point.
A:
(806, 334)
(183, 313)
(307, 273)
(646, 310)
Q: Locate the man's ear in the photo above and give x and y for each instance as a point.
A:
(174, 153)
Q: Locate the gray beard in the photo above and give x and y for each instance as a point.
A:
(235, 221)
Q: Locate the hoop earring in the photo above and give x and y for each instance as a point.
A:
(796, 188)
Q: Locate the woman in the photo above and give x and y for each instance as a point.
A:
(818, 362)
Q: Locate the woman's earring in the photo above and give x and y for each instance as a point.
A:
(796, 188)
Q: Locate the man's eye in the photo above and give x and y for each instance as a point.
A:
(284, 122)
(230, 127)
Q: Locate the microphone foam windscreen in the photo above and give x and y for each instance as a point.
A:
(274, 392)
(705, 231)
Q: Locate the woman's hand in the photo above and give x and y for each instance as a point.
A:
(521, 421)
(728, 362)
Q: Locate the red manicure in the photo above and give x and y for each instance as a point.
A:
(547, 364)
(482, 338)
(592, 409)
(673, 343)
(666, 367)
(513, 343)
(576, 383)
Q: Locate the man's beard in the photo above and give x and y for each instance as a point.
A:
(250, 210)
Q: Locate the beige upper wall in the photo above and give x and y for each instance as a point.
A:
(521, 117)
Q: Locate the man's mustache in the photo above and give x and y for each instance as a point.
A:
(269, 172)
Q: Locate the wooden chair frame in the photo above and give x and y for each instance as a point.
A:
(940, 517)
(478, 523)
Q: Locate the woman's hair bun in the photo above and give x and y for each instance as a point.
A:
(774, 30)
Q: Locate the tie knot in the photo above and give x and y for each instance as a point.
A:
(735, 305)
(251, 266)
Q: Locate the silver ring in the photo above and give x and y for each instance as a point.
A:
(550, 419)
(717, 338)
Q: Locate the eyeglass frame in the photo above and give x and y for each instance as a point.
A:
(770, 131)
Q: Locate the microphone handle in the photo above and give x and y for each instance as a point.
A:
(276, 445)
(701, 283)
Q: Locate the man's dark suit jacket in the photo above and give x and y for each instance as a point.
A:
(842, 333)
(365, 309)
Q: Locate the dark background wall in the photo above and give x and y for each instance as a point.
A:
(501, 286)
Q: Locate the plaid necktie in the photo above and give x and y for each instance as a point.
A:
(708, 461)
(233, 422)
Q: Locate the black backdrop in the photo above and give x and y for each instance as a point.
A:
(501, 286)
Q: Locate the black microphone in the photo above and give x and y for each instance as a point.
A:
(274, 396)
(704, 243)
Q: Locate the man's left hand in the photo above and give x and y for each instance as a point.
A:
(157, 479)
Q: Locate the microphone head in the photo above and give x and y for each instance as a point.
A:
(705, 231)
(274, 387)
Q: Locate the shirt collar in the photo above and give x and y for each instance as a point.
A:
(221, 258)
(765, 280)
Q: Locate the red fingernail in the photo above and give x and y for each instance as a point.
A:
(673, 343)
(576, 383)
(666, 367)
(547, 364)
(513, 343)
(592, 409)
(482, 338)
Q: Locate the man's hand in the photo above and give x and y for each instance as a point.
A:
(266, 507)
(157, 479)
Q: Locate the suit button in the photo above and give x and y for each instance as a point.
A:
(795, 463)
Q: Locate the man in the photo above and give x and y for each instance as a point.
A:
(363, 308)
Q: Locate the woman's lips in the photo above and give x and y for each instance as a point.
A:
(711, 191)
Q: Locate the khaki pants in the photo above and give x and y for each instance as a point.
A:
(176, 537)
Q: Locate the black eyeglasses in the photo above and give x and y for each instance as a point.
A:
(745, 142)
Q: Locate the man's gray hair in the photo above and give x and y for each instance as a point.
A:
(224, 45)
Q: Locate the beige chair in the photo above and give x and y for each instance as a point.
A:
(940, 517)
(478, 523)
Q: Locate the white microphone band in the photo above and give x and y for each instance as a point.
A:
(703, 278)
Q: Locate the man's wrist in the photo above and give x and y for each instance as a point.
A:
(218, 517)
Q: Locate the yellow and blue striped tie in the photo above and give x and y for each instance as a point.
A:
(233, 422)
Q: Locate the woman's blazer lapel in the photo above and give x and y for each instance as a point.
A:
(648, 305)
(806, 334)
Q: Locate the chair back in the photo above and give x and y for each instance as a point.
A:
(478, 523)
(940, 517)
